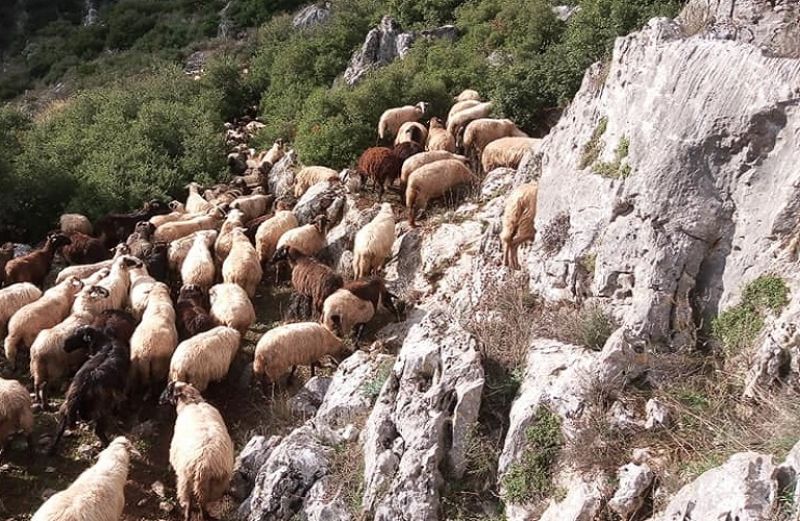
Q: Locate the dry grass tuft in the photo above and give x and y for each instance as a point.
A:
(556, 233)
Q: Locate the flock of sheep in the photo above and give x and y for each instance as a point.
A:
(163, 295)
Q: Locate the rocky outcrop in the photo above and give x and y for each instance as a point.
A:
(386, 43)
(281, 176)
(311, 16)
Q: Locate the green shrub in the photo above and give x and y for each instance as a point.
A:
(738, 327)
(530, 478)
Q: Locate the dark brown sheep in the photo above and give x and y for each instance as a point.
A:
(192, 312)
(34, 266)
(116, 323)
(311, 278)
(405, 150)
(116, 227)
(85, 249)
(381, 164)
(6, 254)
(140, 241)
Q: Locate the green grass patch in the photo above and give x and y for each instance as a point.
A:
(738, 327)
(531, 477)
(372, 388)
(615, 169)
(594, 327)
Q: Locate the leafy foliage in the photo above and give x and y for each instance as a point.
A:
(530, 478)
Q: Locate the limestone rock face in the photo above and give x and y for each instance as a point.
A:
(312, 15)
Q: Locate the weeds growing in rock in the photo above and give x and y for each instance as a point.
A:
(618, 168)
(556, 233)
(530, 478)
(593, 149)
(347, 475)
(372, 388)
(737, 327)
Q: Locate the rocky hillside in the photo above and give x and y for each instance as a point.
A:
(653, 323)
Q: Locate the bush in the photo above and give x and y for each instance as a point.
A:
(530, 478)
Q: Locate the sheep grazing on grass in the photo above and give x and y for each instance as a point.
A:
(438, 137)
(460, 119)
(193, 316)
(392, 119)
(84, 271)
(355, 305)
(507, 152)
(178, 249)
(420, 160)
(519, 218)
(176, 230)
(270, 231)
(34, 266)
(222, 246)
(310, 278)
(195, 203)
(252, 206)
(205, 357)
(373, 243)
(201, 451)
(198, 267)
(310, 175)
(434, 180)
(242, 266)
(98, 494)
(15, 297)
(412, 131)
(43, 313)
(468, 94)
(461, 105)
(380, 164)
(99, 386)
(285, 347)
(141, 240)
(308, 239)
(15, 413)
(481, 132)
(116, 227)
(74, 222)
(230, 306)
(154, 340)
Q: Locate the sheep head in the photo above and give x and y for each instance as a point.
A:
(435, 123)
(422, 106)
(58, 240)
(85, 337)
(145, 229)
(321, 223)
(191, 292)
(180, 392)
(97, 292)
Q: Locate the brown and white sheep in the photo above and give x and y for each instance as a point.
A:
(310, 175)
(46, 312)
(15, 412)
(420, 160)
(98, 494)
(201, 451)
(230, 306)
(242, 266)
(205, 357)
(308, 239)
(519, 218)
(412, 131)
(480, 132)
(198, 266)
(373, 243)
(461, 118)
(74, 222)
(91, 301)
(355, 304)
(270, 231)
(507, 152)
(438, 137)
(154, 340)
(34, 266)
(15, 297)
(392, 119)
(434, 180)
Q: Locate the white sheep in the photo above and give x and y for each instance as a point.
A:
(117, 282)
(205, 357)
(373, 243)
(468, 94)
(91, 301)
(290, 345)
(308, 239)
(201, 451)
(98, 494)
(75, 222)
(154, 340)
(175, 230)
(507, 152)
(198, 266)
(274, 154)
(231, 307)
(222, 246)
(251, 206)
(392, 119)
(434, 180)
(50, 363)
(13, 298)
(438, 137)
(84, 271)
(15, 412)
(195, 203)
(242, 266)
(458, 120)
(519, 218)
(411, 131)
(46, 312)
(178, 249)
(140, 285)
(480, 132)
(461, 105)
(310, 175)
(270, 231)
(178, 213)
(419, 160)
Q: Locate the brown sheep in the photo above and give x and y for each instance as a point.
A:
(380, 164)
(34, 266)
(519, 218)
(84, 249)
(438, 137)
(434, 180)
(310, 278)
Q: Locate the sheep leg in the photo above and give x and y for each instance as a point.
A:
(61, 428)
(359, 331)
(100, 430)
